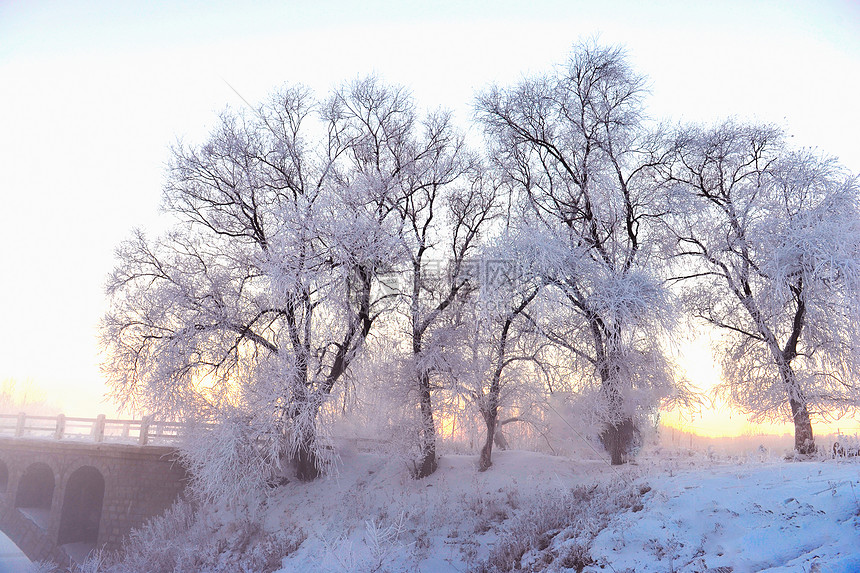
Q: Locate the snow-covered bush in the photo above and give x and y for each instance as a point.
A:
(230, 461)
(191, 540)
(560, 525)
(379, 547)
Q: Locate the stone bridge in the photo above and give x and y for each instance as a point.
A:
(61, 497)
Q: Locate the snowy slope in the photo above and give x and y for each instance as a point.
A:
(374, 517)
(540, 512)
(775, 517)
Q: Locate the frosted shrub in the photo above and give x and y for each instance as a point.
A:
(228, 462)
(380, 547)
(560, 523)
(185, 540)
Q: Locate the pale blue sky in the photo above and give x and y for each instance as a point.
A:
(92, 94)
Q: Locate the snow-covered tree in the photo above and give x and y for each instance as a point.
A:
(770, 243)
(256, 302)
(576, 147)
(446, 204)
(501, 350)
(436, 192)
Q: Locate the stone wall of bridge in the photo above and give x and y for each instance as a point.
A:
(54, 492)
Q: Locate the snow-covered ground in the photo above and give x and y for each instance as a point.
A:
(12, 559)
(670, 511)
(674, 512)
(374, 517)
(776, 517)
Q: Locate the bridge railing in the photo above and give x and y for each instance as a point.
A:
(99, 429)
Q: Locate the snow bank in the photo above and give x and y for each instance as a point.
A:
(688, 513)
(672, 511)
(775, 517)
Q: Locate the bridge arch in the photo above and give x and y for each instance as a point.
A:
(36, 492)
(80, 516)
(132, 483)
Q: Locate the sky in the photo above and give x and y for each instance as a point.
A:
(92, 95)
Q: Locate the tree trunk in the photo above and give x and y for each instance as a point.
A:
(428, 462)
(487, 451)
(499, 439)
(804, 442)
(304, 415)
(617, 437)
(491, 418)
(306, 462)
(619, 440)
(613, 441)
(307, 466)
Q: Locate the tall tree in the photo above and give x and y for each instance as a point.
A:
(487, 343)
(510, 284)
(433, 190)
(446, 203)
(770, 243)
(261, 295)
(576, 145)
